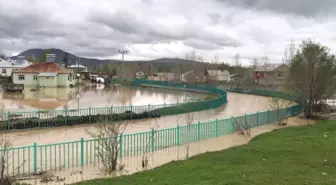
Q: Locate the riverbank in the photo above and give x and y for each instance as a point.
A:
(294, 155)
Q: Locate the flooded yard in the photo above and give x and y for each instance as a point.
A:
(92, 96)
(238, 104)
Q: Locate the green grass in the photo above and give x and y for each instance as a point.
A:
(293, 155)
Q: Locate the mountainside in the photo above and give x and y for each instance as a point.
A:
(35, 54)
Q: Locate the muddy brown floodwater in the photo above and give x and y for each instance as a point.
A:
(238, 104)
(92, 96)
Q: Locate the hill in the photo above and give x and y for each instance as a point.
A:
(60, 54)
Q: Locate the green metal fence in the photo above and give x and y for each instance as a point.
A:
(68, 117)
(39, 158)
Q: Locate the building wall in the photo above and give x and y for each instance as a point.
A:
(65, 80)
(277, 77)
(47, 81)
(28, 80)
(8, 70)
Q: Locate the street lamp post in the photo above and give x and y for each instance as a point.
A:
(123, 52)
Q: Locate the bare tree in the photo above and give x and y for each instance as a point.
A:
(147, 152)
(108, 148)
(2, 56)
(243, 127)
(190, 120)
(5, 146)
(289, 53)
(255, 63)
(279, 105)
(215, 59)
(237, 60)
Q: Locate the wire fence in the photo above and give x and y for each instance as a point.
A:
(34, 159)
(67, 117)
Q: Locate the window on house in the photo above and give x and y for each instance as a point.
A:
(4, 71)
(21, 77)
(35, 77)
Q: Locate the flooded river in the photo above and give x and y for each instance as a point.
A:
(238, 104)
(92, 96)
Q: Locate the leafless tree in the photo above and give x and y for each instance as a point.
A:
(108, 148)
(243, 127)
(289, 53)
(190, 120)
(255, 63)
(279, 105)
(5, 146)
(237, 60)
(148, 145)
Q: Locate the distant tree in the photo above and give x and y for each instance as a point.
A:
(66, 59)
(312, 73)
(237, 60)
(43, 56)
(289, 53)
(255, 63)
(114, 71)
(2, 56)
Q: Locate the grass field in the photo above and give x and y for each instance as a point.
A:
(295, 155)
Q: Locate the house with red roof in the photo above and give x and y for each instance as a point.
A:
(46, 74)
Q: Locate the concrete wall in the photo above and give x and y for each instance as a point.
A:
(65, 80)
(47, 81)
(29, 80)
(277, 77)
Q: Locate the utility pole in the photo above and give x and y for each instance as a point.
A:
(123, 52)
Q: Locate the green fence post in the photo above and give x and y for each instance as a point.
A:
(153, 132)
(66, 115)
(199, 131)
(120, 146)
(35, 158)
(131, 111)
(178, 135)
(82, 151)
(8, 120)
(39, 118)
(257, 118)
(148, 110)
(89, 114)
(245, 120)
(217, 128)
(268, 116)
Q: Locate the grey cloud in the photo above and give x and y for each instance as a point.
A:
(309, 8)
(201, 44)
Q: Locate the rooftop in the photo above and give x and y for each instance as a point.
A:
(268, 67)
(46, 67)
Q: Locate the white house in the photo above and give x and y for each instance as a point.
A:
(7, 67)
(219, 75)
(78, 68)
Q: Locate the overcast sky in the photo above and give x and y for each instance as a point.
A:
(151, 29)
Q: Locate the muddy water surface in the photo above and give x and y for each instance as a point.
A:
(238, 104)
(91, 96)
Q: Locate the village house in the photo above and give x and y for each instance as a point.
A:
(219, 75)
(162, 76)
(7, 67)
(78, 68)
(271, 74)
(192, 76)
(140, 75)
(46, 74)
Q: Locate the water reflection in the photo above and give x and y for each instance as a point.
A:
(91, 96)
